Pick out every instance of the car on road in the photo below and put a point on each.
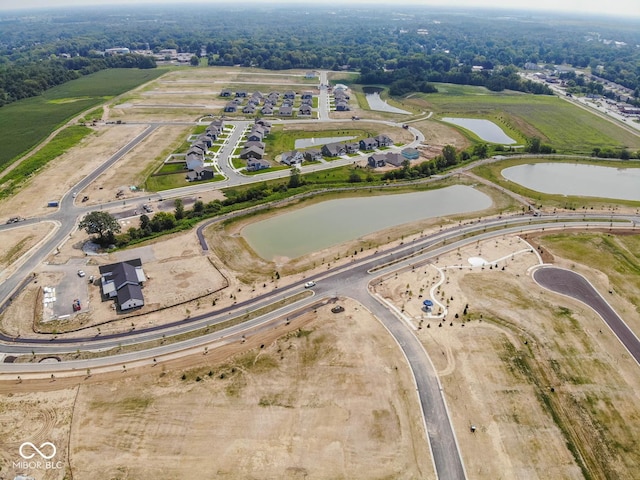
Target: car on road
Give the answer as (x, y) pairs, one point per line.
(309, 284)
(147, 208)
(81, 273)
(15, 220)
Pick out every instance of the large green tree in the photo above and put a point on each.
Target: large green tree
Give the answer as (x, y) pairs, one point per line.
(103, 224)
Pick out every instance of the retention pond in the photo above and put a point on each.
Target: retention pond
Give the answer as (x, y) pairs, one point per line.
(332, 222)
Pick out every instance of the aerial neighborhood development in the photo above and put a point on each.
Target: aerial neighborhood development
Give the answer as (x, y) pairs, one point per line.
(289, 242)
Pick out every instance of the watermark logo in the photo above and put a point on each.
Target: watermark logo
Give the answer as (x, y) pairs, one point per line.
(35, 450)
(37, 457)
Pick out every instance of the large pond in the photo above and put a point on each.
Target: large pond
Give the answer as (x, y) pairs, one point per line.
(318, 142)
(577, 179)
(328, 223)
(376, 103)
(485, 129)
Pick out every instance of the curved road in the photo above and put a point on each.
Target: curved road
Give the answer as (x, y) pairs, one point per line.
(574, 285)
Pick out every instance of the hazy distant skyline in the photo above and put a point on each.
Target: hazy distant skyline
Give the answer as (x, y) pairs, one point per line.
(625, 8)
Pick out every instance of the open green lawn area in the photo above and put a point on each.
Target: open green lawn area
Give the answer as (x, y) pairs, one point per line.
(279, 141)
(564, 126)
(166, 182)
(25, 123)
(492, 172)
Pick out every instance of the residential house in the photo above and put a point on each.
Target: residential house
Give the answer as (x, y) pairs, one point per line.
(198, 149)
(123, 281)
(313, 154)
(231, 107)
(342, 106)
(376, 160)
(410, 153)
(225, 92)
(307, 101)
(395, 159)
(254, 164)
(241, 94)
(289, 94)
(200, 144)
(285, 111)
(205, 140)
(257, 136)
(307, 95)
(200, 173)
(341, 95)
(267, 110)
(249, 109)
(310, 75)
(194, 161)
(260, 145)
(266, 125)
(304, 110)
(383, 141)
(251, 152)
(292, 158)
(352, 147)
(368, 144)
(333, 149)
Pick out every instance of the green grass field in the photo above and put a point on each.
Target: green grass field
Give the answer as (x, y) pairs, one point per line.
(24, 124)
(566, 127)
(62, 142)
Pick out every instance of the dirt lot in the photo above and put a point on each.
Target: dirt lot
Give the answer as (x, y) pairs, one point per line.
(308, 405)
(17, 241)
(500, 360)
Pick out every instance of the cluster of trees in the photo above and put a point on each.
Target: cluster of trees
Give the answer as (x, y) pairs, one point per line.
(406, 50)
(622, 154)
(417, 76)
(24, 80)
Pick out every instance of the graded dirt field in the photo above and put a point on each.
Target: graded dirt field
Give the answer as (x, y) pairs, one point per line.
(307, 405)
(551, 392)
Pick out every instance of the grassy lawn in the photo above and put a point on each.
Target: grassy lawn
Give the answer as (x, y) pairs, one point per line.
(493, 171)
(238, 162)
(267, 170)
(566, 127)
(279, 141)
(167, 182)
(25, 123)
(172, 168)
(62, 142)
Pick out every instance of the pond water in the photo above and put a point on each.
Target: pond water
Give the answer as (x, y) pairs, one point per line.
(485, 129)
(577, 179)
(328, 223)
(376, 103)
(319, 142)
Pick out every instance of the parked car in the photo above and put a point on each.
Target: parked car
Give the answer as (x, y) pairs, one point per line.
(81, 273)
(337, 309)
(15, 220)
(85, 198)
(309, 284)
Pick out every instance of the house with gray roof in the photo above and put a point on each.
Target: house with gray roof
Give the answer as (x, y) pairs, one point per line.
(352, 147)
(333, 149)
(267, 110)
(251, 152)
(368, 144)
(123, 281)
(249, 109)
(200, 173)
(342, 106)
(377, 160)
(292, 158)
(254, 164)
(313, 154)
(226, 92)
(285, 111)
(254, 144)
(383, 141)
(231, 107)
(194, 161)
(304, 110)
(289, 94)
(395, 159)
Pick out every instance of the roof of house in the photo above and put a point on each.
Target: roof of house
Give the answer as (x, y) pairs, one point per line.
(124, 278)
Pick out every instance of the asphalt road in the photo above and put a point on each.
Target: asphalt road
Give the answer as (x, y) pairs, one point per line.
(576, 286)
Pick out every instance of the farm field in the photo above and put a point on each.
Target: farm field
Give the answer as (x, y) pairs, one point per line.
(26, 123)
(564, 126)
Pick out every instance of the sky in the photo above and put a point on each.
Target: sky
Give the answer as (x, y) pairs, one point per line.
(625, 8)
